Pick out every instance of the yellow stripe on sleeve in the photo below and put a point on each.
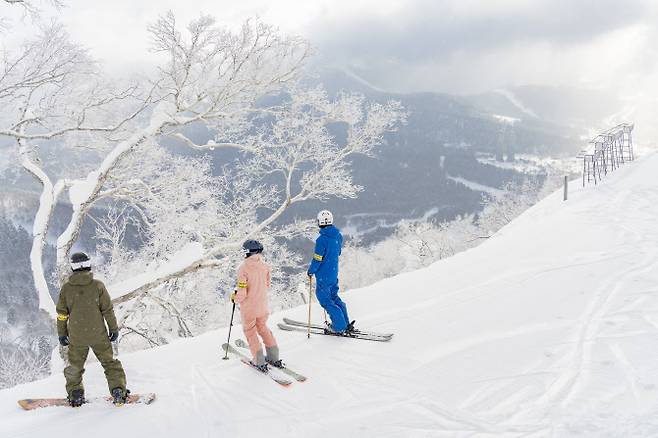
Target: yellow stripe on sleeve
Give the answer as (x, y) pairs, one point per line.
(317, 257)
(242, 284)
(62, 317)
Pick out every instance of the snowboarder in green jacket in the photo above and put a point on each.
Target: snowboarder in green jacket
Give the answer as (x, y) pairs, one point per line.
(83, 309)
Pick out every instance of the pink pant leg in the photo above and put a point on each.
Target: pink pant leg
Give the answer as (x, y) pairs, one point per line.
(265, 332)
(249, 326)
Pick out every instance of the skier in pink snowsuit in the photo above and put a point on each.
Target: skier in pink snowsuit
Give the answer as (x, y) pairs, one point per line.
(251, 295)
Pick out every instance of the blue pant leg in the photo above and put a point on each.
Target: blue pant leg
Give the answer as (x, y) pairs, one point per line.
(336, 299)
(323, 292)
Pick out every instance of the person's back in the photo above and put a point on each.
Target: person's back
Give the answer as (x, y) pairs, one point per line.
(251, 294)
(329, 244)
(88, 304)
(253, 284)
(83, 308)
(324, 266)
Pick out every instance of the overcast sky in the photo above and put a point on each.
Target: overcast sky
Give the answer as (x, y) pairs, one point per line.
(457, 46)
(453, 46)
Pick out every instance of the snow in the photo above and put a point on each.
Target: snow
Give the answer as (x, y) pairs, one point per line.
(476, 186)
(516, 102)
(39, 230)
(361, 80)
(548, 329)
(533, 164)
(179, 260)
(81, 190)
(507, 120)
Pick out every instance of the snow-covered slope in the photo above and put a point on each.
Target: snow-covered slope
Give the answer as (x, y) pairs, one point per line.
(548, 329)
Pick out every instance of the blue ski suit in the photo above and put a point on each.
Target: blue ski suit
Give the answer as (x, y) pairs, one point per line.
(325, 268)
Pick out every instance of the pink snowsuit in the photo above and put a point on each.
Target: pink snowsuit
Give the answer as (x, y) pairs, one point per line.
(253, 284)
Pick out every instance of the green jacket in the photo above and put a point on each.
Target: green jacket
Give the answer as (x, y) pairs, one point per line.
(82, 306)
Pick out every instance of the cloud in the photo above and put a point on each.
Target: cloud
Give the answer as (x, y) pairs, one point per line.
(426, 28)
(451, 45)
(454, 46)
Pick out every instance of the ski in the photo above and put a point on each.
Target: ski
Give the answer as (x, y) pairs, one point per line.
(318, 326)
(246, 360)
(36, 403)
(317, 331)
(298, 377)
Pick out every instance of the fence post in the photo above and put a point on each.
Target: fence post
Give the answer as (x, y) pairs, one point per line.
(566, 186)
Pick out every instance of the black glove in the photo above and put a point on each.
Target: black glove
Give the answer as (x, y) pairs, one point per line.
(64, 341)
(113, 336)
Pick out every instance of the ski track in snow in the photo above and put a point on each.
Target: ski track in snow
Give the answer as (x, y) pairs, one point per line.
(548, 329)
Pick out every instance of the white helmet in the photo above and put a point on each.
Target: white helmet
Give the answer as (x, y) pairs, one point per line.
(325, 218)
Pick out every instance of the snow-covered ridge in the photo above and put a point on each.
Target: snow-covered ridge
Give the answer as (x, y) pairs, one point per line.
(548, 329)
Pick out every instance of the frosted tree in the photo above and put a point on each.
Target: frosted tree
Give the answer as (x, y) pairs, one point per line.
(416, 244)
(32, 6)
(27, 8)
(22, 359)
(53, 96)
(194, 222)
(423, 243)
(290, 145)
(53, 90)
(501, 209)
(19, 365)
(210, 78)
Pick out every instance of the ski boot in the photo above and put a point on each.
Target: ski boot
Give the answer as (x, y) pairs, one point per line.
(76, 398)
(350, 327)
(119, 396)
(329, 330)
(276, 363)
(262, 368)
(261, 362)
(272, 357)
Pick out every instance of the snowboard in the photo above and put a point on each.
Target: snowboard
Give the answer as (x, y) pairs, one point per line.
(34, 403)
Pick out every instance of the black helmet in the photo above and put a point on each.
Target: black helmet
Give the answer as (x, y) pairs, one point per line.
(251, 247)
(80, 262)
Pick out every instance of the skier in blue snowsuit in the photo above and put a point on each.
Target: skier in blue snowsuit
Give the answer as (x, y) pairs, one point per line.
(325, 268)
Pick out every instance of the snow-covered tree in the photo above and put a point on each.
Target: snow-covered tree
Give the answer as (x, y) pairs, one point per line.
(416, 244)
(514, 199)
(27, 8)
(290, 146)
(23, 360)
(210, 78)
(53, 96)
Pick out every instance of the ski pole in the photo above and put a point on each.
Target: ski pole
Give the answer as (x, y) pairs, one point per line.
(310, 298)
(229, 332)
